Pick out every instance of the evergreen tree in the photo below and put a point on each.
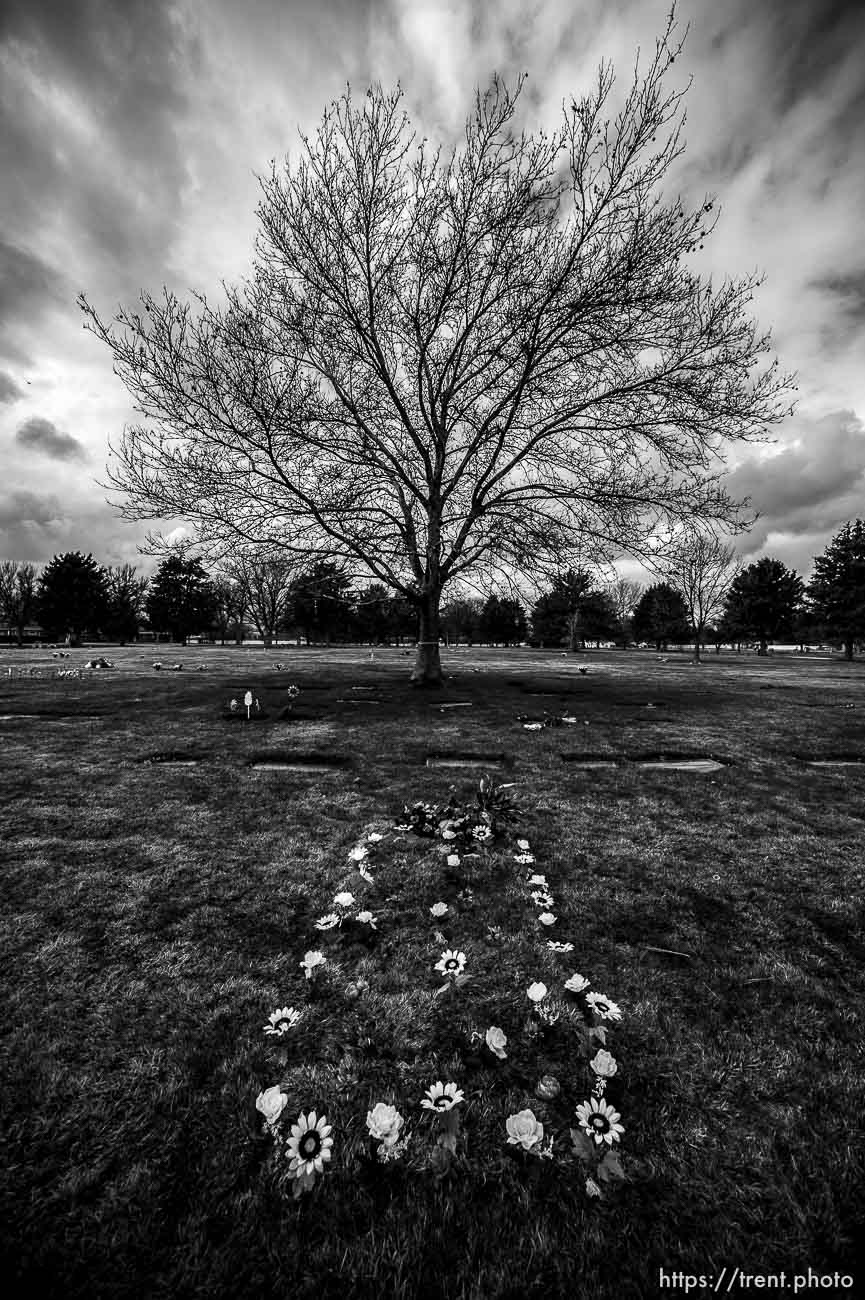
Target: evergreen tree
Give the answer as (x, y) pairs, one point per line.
(661, 616)
(320, 602)
(837, 589)
(598, 620)
(502, 621)
(181, 599)
(72, 597)
(461, 619)
(555, 616)
(763, 602)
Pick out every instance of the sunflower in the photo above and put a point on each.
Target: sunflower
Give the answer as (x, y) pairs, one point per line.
(600, 1121)
(603, 1007)
(451, 962)
(442, 1096)
(328, 921)
(308, 1145)
(282, 1020)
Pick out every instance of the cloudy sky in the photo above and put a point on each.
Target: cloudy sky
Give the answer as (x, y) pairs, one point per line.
(132, 131)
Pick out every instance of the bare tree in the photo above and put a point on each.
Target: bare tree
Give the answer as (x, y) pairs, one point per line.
(492, 356)
(17, 595)
(263, 584)
(701, 567)
(624, 595)
(231, 606)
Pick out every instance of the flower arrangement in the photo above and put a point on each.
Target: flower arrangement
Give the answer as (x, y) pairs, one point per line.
(247, 707)
(564, 1012)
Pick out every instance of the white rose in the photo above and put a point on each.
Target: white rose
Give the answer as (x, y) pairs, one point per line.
(271, 1103)
(344, 899)
(384, 1123)
(524, 1130)
(453, 859)
(495, 1040)
(439, 909)
(537, 992)
(547, 918)
(604, 1064)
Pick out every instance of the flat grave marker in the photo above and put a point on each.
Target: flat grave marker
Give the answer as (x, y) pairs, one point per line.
(315, 763)
(680, 763)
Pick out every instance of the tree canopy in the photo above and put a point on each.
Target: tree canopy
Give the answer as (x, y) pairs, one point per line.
(493, 356)
(72, 596)
(180, 599)
(837, 588)
(763, 602)
(661, 616)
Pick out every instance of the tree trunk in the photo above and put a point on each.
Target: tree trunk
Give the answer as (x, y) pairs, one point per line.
(267, 638)
(848, 649)
(427, 665)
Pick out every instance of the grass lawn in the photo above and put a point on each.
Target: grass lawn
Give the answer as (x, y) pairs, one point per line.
(154, 915)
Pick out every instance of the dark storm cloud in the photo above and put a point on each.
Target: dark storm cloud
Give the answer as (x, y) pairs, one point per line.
(93, 94)
(818, 482)
(28, 285)
(9, 390)
(28, 508)
(37, 434)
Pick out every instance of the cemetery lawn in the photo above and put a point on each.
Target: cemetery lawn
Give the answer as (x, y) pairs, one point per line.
(153, 916)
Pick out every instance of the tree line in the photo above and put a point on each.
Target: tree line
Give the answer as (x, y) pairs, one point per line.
(705, 595)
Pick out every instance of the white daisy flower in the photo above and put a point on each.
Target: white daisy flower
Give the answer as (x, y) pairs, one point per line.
(442, 1096)
(281, 1020)
(374, 837)
(554, 946)
(576, 983)
(538, 880)
(603, 1007)
(439, 909)
(541, 898)
(600, 1121)
(365, 874)
(327, 922)
(451, 962)
(536, 992)
(592, 1187)
(309, 1145)
(358, 853)
(524, 859)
